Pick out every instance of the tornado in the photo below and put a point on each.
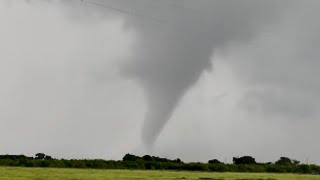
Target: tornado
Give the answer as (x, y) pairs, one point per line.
(171, 54)
(175, 43)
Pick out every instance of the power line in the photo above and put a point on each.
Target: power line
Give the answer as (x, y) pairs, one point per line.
(177, 6)
(199, 15)
(122, 11)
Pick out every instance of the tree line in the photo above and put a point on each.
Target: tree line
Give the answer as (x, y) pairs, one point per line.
(148, 162)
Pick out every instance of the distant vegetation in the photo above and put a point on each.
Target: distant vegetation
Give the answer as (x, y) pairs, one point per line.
(240, 164)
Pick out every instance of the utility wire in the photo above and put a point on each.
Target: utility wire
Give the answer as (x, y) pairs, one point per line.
(176, 6)
(123, 11)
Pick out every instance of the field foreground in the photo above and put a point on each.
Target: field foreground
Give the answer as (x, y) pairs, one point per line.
(85, 174)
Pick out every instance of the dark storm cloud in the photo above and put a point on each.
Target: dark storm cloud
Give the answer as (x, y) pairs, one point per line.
(170, 56)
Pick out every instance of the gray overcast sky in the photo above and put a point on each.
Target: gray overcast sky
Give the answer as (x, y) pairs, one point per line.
(185, 78)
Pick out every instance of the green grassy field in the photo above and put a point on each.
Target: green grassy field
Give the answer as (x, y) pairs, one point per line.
(88, 174)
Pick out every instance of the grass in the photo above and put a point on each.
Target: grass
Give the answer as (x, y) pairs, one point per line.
(8, 173)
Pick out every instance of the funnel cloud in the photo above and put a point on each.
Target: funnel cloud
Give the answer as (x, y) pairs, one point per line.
(171, 55)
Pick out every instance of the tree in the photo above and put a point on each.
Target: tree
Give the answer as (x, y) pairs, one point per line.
(295, 162)
(130, 157)
(244, 160)
(214, 161)
(178, 160)
(284, 161)
(40, 156)
(48, 157)
(147, 158)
